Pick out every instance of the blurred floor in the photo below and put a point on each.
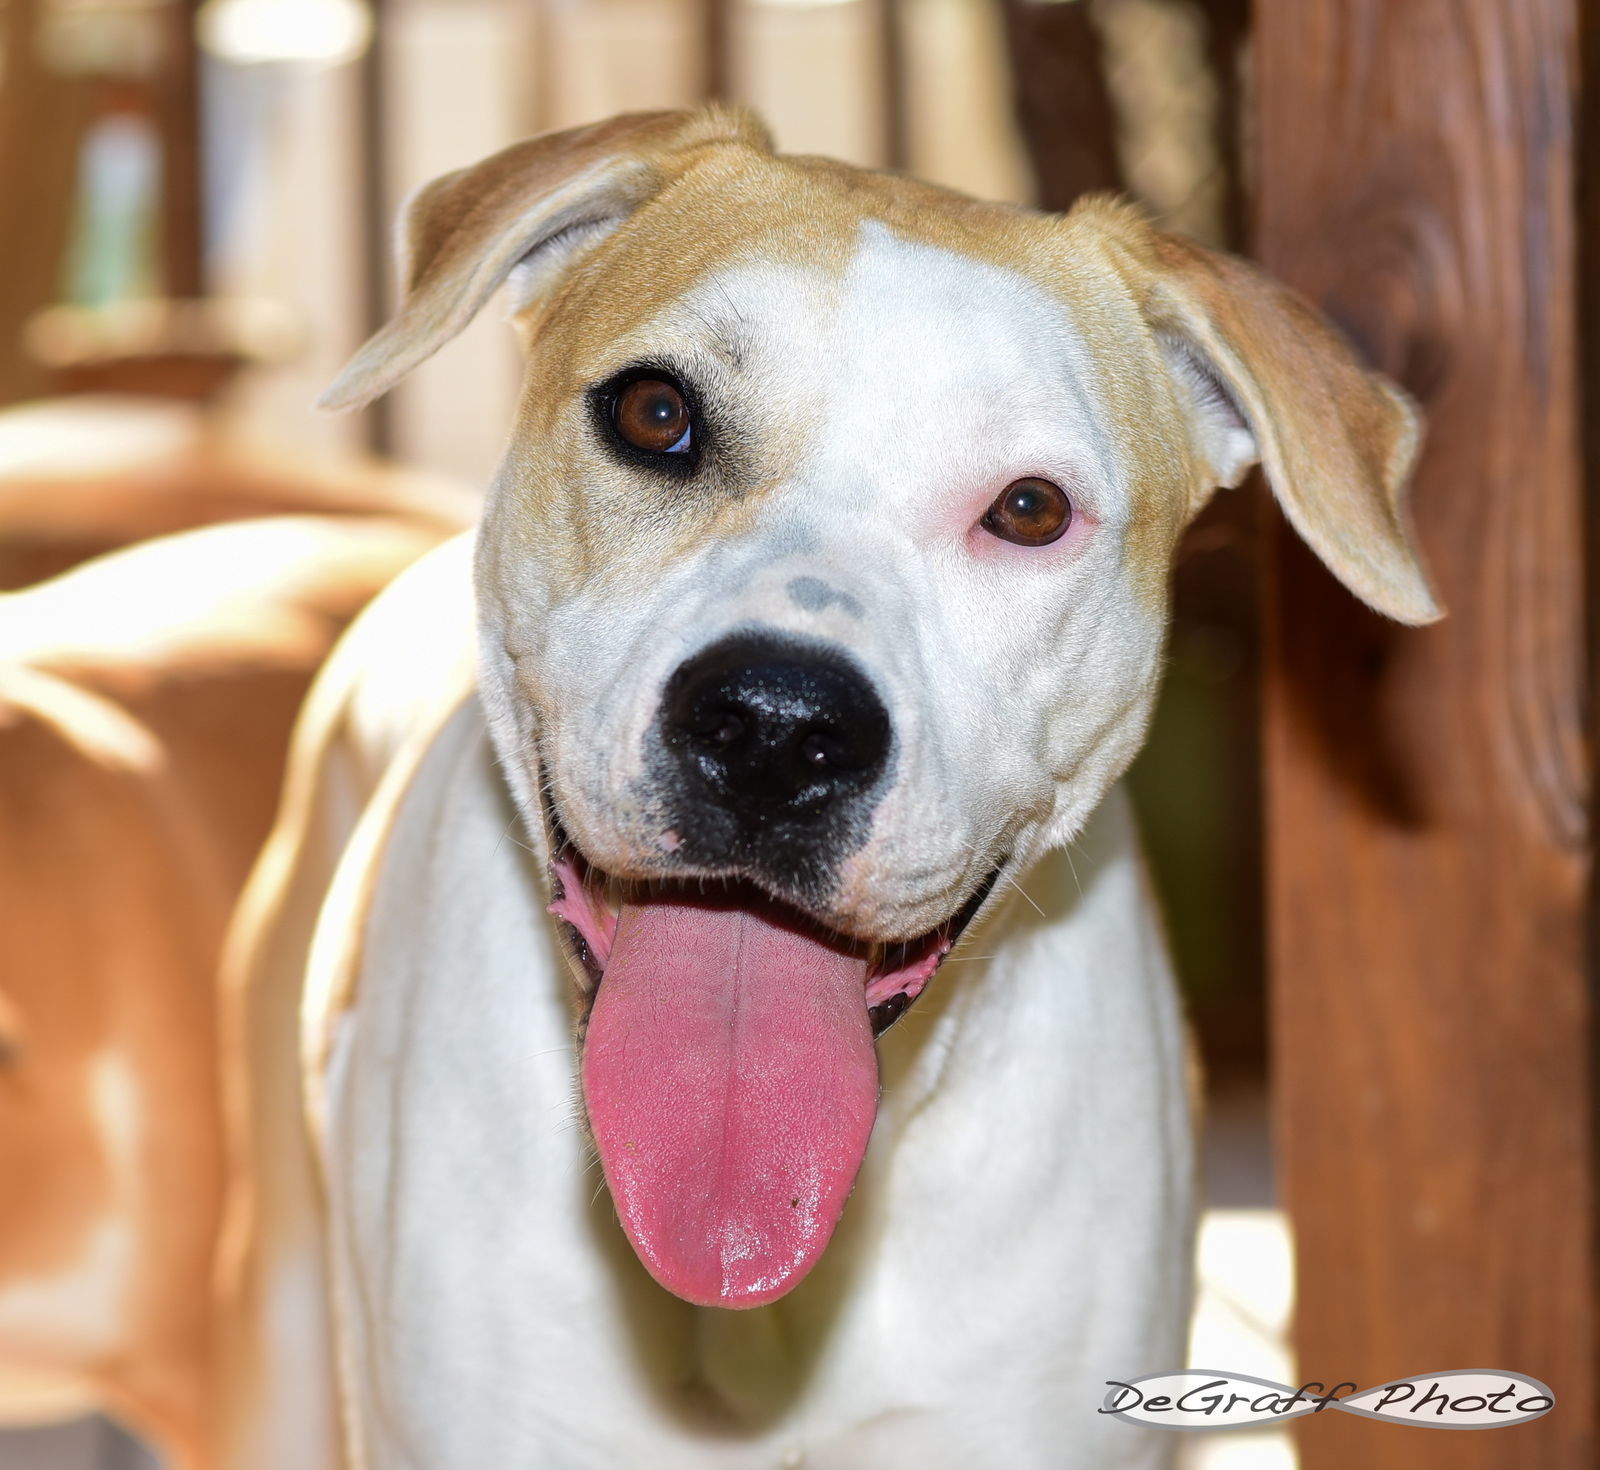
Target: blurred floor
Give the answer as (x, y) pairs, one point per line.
(1245, 1276)
(1241, 1317)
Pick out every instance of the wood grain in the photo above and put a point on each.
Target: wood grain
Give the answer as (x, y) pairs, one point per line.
(1428, 792)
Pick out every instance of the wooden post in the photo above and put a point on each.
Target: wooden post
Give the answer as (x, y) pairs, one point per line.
(377, 212)
(178, 112)
(717, 82)
(1428, 791)
(892, 81)
(42, 120)
(1063, 108)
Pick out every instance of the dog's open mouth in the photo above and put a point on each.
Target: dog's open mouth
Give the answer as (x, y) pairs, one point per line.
(729, 1068)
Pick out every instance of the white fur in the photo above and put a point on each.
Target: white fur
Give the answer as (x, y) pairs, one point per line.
(1019, 1232)
(1018, 1235)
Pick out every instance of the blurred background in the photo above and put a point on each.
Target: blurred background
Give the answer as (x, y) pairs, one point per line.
(198, 202)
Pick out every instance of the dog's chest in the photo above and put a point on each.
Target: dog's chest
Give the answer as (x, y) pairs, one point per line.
(491, 1305)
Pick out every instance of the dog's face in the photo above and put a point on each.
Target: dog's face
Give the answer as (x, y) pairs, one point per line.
(829, 561)
(877, 463)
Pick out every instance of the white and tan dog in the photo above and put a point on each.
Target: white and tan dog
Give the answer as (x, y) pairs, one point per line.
(820, 603)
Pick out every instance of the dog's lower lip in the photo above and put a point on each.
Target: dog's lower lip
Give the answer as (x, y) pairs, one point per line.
(933, 945)
(560, 845)
(885, 1014)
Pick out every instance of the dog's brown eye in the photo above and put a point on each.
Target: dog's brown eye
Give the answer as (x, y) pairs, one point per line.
(1030, 513)
(651, 415)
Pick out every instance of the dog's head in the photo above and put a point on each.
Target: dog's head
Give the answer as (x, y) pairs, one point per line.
(825, 582)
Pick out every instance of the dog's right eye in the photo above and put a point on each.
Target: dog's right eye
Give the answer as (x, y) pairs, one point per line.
(1030, 512)
(651, 414)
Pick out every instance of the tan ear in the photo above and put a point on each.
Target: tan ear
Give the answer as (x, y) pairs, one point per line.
(1270, 381)
(534, 208)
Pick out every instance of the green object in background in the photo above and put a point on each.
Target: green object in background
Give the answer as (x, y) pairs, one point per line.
(1193, 787)
(112, 256)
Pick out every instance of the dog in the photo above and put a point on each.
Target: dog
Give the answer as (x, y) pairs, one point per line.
(146, 700)
(819, 605)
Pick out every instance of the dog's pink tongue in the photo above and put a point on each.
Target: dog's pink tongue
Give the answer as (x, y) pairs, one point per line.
(731, 1082)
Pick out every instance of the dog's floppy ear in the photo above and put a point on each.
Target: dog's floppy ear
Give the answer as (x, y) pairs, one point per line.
(1270, 381)
(533, 208)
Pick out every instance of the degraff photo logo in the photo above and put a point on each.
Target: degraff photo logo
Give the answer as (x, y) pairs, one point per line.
(1198, 1398)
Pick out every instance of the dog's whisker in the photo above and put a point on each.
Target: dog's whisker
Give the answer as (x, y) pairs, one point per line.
(1015, 884)
(1072, 868)
(506, 833)
(517, 841)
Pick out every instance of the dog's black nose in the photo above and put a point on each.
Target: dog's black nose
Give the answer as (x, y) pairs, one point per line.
(777, 727)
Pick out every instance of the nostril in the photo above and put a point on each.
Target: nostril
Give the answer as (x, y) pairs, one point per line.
(828, 751)
(718, 729)
(818, 750)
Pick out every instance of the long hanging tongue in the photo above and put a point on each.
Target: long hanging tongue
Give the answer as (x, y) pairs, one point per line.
(731, 1083)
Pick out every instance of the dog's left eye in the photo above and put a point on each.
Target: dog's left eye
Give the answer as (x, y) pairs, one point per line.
(1030, 512)
(651, 414)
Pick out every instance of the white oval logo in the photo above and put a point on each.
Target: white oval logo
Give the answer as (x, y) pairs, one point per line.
(1198, 1398)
